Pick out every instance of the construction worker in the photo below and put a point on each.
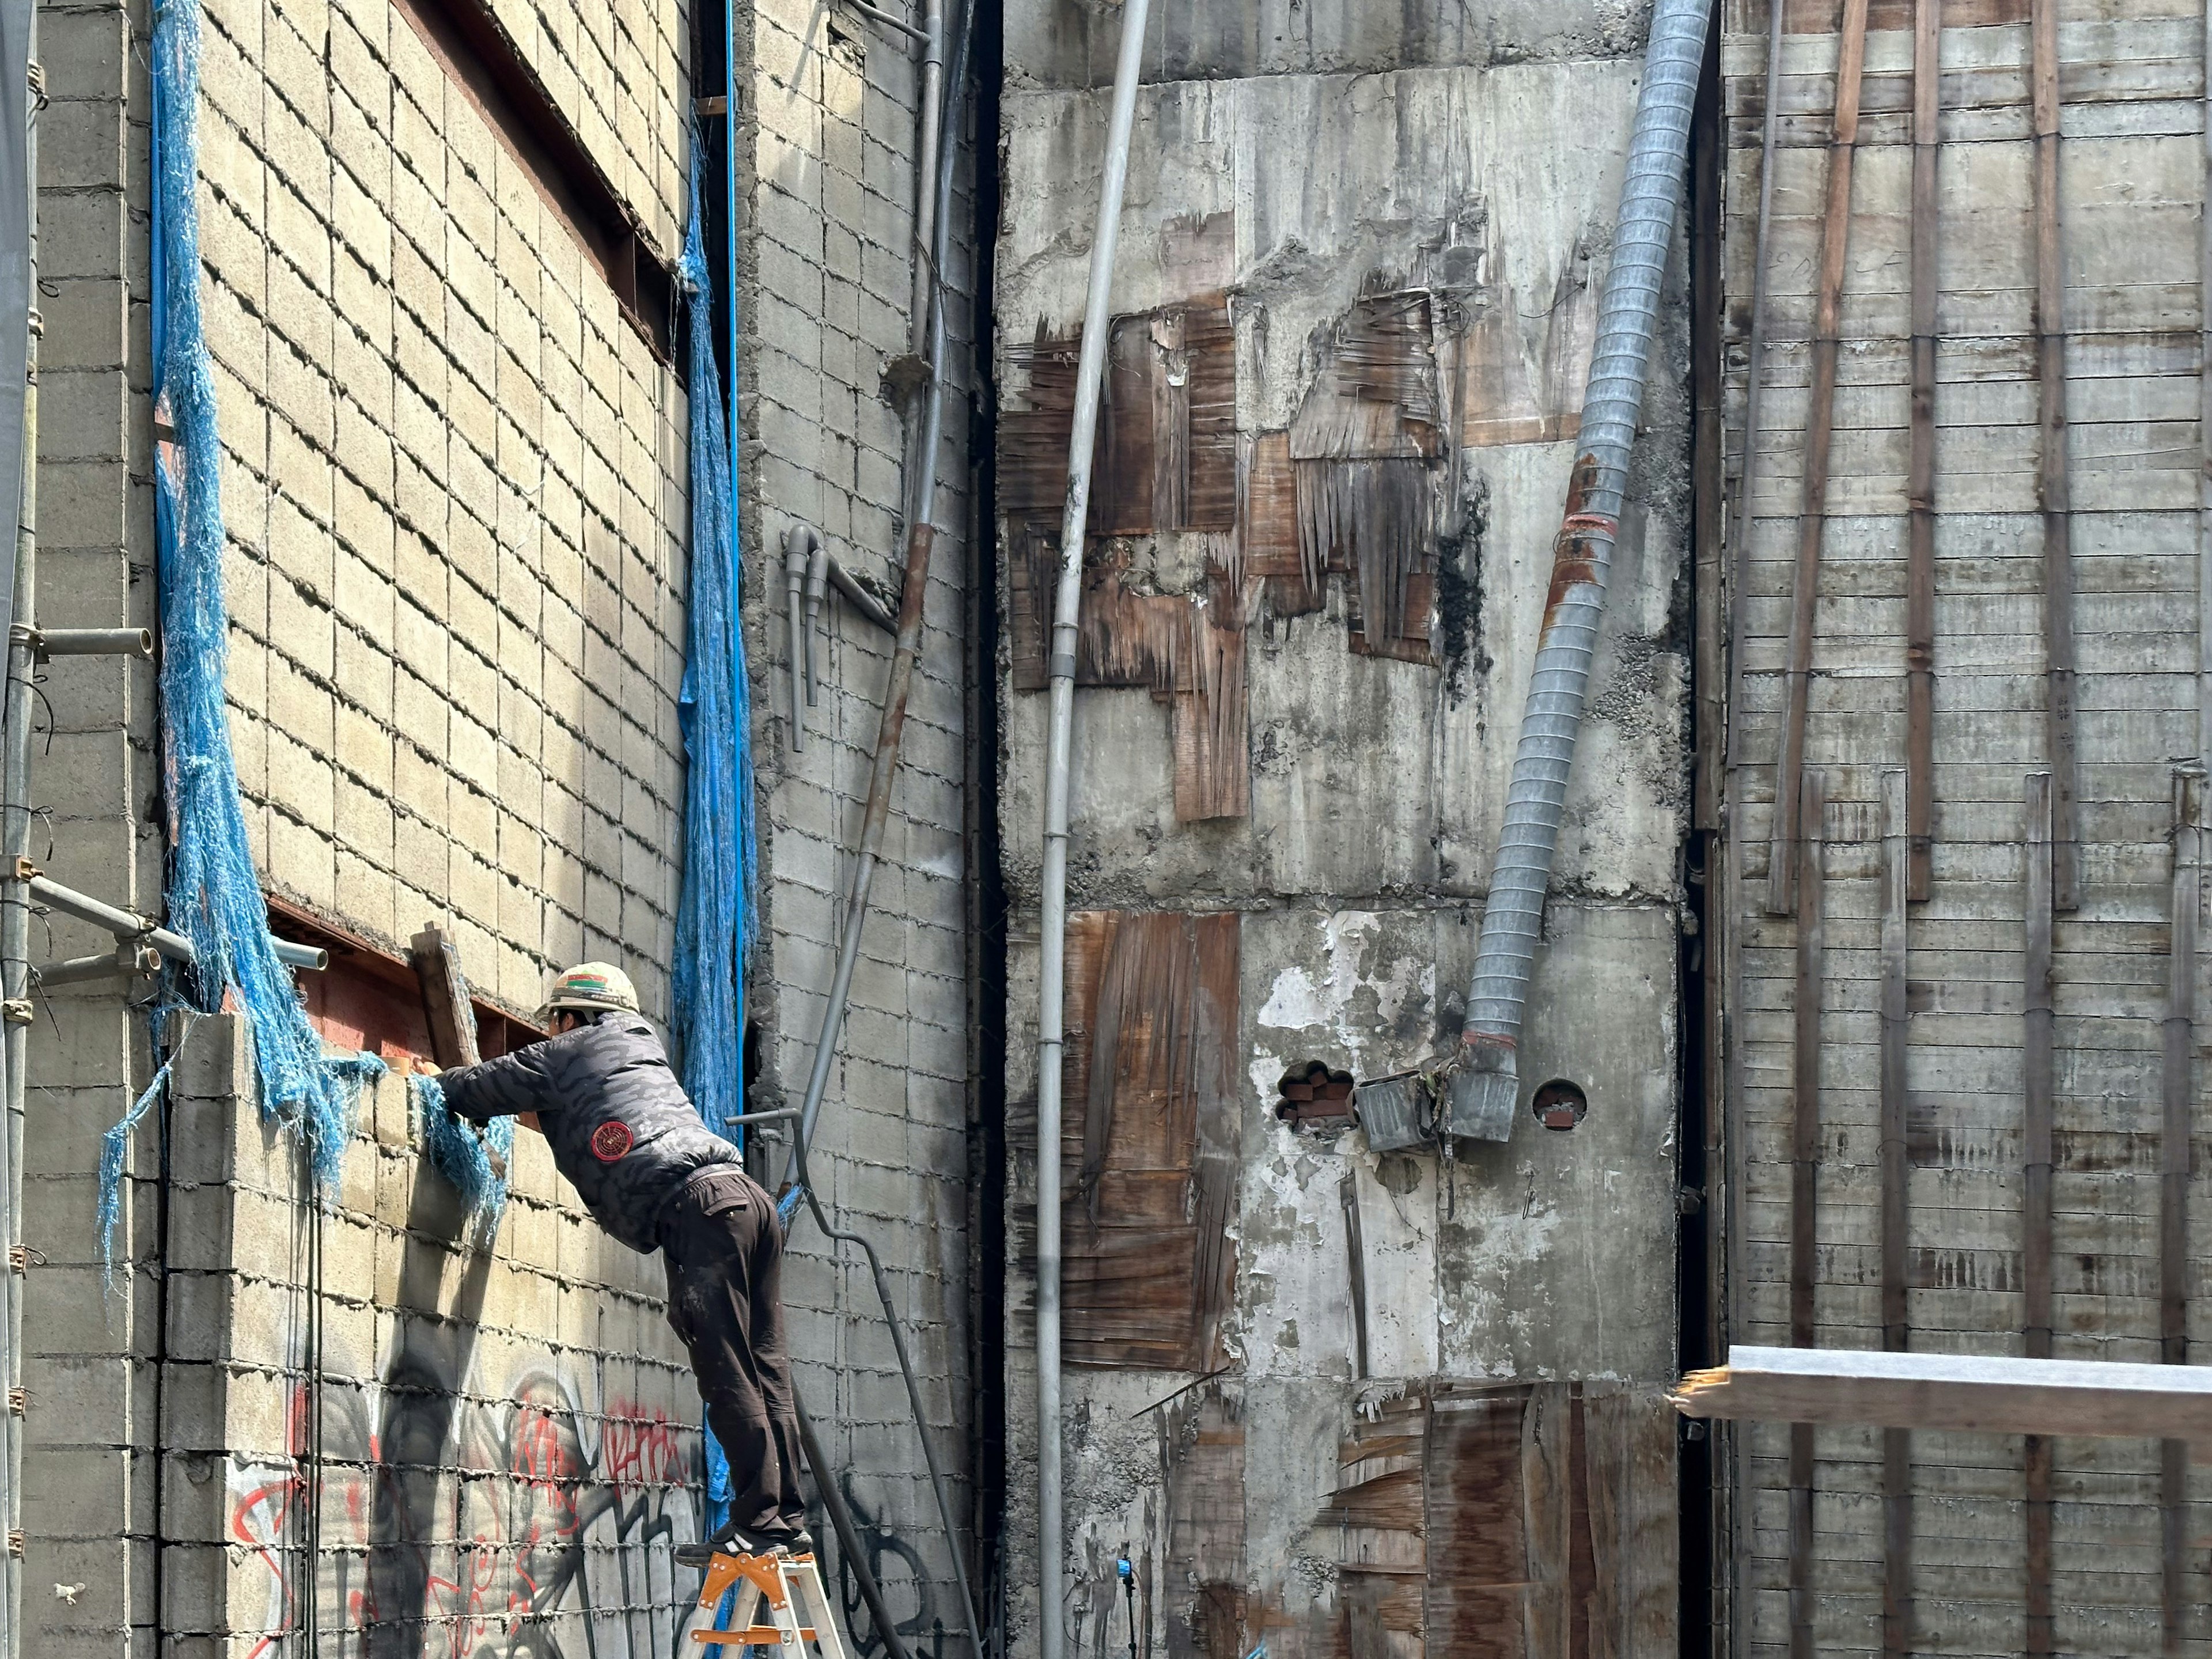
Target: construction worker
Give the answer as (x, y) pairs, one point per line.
(601, 1091)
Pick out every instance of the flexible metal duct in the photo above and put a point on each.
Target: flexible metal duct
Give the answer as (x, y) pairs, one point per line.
(1485, 1088)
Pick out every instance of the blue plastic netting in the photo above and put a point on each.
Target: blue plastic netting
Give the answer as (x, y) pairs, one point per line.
(714, 923)
(465, 1157)
(215, 895)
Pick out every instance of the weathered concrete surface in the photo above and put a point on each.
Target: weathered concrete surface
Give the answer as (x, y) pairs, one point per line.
(1479, 163)
(1072, 43)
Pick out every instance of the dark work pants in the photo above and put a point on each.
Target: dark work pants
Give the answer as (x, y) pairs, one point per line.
(724, 1251)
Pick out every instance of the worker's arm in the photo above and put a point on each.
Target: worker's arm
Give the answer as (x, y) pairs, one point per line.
(519, 1085)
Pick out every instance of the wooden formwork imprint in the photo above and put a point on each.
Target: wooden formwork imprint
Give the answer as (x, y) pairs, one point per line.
(1820, 422)
(2035, 1222)
(1804, 1191)
(2054, 479)
(1920, 483)
(1897, 1621)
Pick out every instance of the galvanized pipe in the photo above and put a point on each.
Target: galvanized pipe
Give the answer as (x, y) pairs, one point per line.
(1485, 1088)
(129, 925)
(139, 959)
(794, 590)
(870, 609)
(929, 122)
(93, 641)
(1052, 916)
(15, 946)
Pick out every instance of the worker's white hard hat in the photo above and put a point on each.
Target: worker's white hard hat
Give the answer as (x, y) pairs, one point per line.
(595, 987)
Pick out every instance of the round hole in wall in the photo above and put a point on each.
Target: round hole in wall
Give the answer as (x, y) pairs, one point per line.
(1315, 1096)
(1560, 1104)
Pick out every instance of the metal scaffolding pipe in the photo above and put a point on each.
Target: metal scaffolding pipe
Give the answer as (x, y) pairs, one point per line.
(128, 958)
(1485, 1087)
(93, 642)
(794, 592)
(1053, 908)
(129, 925)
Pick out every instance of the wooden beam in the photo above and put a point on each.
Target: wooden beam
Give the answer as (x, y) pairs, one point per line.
(2056, 485)
(1819, 421)
(1982, 1393)
(1920, 481)
(1804, 1184)
(1897, 1621)
(445, 997)
(2036, 1206)
(2175, 1168)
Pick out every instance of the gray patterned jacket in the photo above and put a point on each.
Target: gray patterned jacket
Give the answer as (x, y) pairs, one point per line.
(621, 1129)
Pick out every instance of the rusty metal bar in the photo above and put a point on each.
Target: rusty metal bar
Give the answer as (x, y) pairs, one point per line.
(1804, 1177)
(1820, 422)
(1920, 483)
(2036, 1217)
(1897, 1612)
(2055, 486)
(2174, 1171)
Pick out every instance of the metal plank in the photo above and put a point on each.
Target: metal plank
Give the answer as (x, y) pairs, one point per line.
(1835, 247)
(1979, 1393)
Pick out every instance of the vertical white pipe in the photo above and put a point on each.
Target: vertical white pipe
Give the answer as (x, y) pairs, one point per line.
(1053, 906)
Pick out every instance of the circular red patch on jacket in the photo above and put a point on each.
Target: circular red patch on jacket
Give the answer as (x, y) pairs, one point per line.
(610, 1142)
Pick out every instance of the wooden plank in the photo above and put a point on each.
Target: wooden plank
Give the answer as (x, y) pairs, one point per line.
(1897, 1621)
(1920, 485)
(2036, 1221)
(2175, 1167)
(1547, 1507)
(1804, 1193)
(1980, 1393)
(2054, 474)
(445, 1005)
(1835, 247)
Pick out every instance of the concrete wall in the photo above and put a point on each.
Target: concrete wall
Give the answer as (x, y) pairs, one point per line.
(2130, 229)
(1284, 168)
(828, 136)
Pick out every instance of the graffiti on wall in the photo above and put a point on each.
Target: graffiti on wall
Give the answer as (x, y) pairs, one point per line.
(529, 1523)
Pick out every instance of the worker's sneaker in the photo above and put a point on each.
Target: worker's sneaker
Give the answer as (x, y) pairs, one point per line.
(730, 1539)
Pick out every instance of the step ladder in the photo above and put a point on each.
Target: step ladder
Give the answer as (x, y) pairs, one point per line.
(768, 1583)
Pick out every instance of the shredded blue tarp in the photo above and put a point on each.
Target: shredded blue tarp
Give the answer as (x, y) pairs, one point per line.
(715, 921)
(465, 1157)
(214, 894)
(114, 1145)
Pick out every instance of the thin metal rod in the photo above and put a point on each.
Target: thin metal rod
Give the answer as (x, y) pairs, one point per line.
(15, 955)
(1897, 1620)
(2175, 1167)
(1804, 1189)
(1052, 918)
(2038, 901)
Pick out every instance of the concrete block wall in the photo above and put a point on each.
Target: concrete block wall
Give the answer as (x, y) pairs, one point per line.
(373, 1429)
(828, 132)
(456, 506)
